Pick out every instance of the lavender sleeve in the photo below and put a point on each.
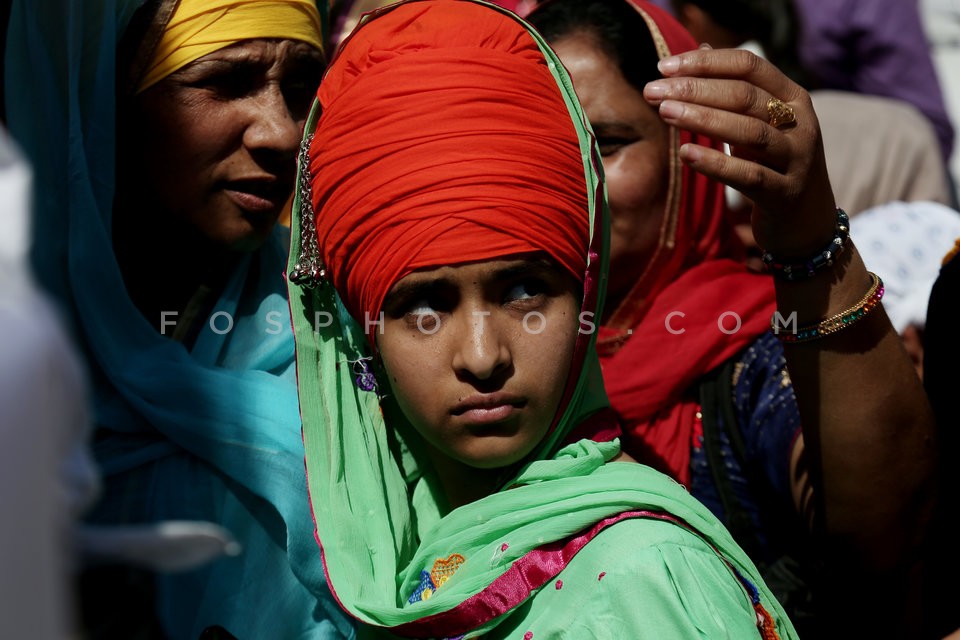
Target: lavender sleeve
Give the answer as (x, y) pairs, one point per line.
(875, 47)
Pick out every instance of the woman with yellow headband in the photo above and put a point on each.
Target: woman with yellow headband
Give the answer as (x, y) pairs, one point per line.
(163, 135)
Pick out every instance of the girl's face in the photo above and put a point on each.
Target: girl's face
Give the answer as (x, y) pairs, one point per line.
(478, 355)
(634, 145)
(216, 141)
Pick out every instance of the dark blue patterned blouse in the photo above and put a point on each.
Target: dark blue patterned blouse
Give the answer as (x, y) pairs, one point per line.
(769, 421)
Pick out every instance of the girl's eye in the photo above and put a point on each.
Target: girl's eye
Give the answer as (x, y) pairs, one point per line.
(526, 290)
(422, 315)
(417, 303)
(420, 308)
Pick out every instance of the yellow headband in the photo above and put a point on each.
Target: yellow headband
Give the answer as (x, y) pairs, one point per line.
(199, 27)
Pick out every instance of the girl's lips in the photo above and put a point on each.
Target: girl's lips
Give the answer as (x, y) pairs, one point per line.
(489, 408)
(488, 415)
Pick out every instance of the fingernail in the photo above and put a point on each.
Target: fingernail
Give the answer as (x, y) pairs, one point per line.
(669, 65)
(655, 90)
(671, 110)
(705, 45)
(690, 153)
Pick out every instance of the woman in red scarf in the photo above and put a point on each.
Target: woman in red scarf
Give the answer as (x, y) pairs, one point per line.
(689, 362)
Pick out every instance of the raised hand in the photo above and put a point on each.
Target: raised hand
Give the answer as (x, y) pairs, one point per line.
(776, 147)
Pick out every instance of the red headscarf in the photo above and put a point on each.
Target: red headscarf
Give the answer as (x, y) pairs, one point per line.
(697, 270)
(458, 158)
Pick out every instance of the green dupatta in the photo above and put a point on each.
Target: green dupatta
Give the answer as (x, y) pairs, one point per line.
(376, 508)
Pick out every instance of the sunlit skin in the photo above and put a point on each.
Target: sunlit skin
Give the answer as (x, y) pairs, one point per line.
(206, 160)
(634, 144)
(473, 367)
(217, 140)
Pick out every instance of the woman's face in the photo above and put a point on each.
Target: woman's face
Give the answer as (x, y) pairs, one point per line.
(215, 142)
(478, 355)
(634, 143)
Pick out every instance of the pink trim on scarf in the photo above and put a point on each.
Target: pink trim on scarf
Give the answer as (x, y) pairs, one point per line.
(525, 575)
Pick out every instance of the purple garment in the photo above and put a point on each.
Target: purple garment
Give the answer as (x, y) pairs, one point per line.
(874, 47)
(663, 4)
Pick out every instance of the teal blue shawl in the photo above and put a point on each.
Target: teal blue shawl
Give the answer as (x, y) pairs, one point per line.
(210, 434)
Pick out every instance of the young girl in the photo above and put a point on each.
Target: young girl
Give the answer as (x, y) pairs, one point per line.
(465, 477)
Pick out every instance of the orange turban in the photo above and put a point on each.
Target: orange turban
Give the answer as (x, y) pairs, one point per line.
(444, 139)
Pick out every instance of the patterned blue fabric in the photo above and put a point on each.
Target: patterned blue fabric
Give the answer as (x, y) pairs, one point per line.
(212, 433)
(769, 422)
(904, 243)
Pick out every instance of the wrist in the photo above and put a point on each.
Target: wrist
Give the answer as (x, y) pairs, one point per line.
(792, 268)
(790, 330)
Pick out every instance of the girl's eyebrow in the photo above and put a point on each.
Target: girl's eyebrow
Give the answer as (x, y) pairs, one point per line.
(427, 285)
(527, 268)
(418, 288)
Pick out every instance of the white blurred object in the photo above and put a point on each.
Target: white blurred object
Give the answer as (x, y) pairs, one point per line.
(166, 546)
(48, 477)
(15, 183)
(941, 21)
(904, 243)
(46, 474)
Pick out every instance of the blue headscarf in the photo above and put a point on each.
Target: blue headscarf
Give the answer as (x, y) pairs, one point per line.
(210, 433)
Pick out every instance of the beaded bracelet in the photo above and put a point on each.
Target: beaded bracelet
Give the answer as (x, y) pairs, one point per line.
(833, 324)
(823, 259)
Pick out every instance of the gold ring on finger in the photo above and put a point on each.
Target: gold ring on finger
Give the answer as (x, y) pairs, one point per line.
(781, 114)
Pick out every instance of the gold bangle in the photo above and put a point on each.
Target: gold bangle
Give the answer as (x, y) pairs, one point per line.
(834, 323)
